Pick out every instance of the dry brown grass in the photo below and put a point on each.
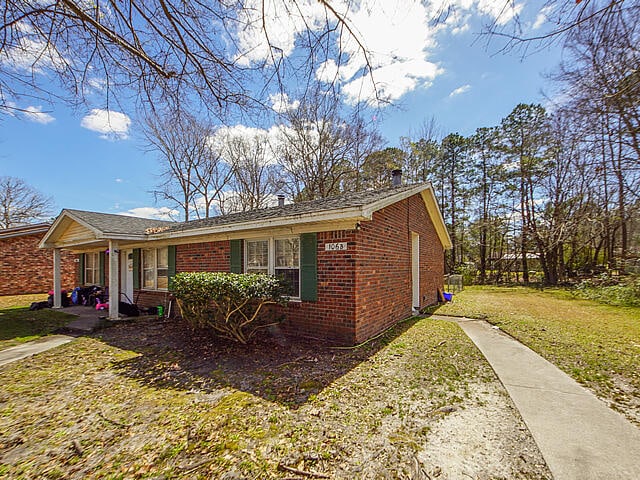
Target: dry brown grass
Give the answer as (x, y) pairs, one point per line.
(16, 301)
(151, 400)
(597, 344)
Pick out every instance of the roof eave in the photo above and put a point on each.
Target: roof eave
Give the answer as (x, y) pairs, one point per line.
(352, 213)
(431, 204)
(99, 235)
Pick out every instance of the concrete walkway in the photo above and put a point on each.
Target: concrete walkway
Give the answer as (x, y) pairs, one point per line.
(25, 350)
(578, 435)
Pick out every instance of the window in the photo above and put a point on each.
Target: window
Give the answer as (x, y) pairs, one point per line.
(155, 268)
(257, 256)
(92, 268)
(287, 263)
(280, 257)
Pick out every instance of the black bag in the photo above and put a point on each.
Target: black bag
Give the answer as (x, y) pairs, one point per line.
(39, 305)
(128, 309)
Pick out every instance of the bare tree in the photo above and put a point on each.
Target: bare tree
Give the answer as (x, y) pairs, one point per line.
(601, 81)
(254, 177)
(160, 49)
(20, 203)
(423, 149)
(560, 20)
(320, 149)
(193, 174)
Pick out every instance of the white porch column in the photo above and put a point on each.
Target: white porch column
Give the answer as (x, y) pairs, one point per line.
(114, 279)
(57, 282)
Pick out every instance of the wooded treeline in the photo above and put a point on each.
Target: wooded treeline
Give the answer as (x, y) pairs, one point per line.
(552, 191)
(555, 190)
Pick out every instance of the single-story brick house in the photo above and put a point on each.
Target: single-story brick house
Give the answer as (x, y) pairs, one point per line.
(358, 263)
(25, 268)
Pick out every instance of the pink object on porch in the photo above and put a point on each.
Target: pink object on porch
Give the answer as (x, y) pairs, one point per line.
(102, 306)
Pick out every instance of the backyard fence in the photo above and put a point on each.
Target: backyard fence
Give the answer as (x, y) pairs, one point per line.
(453, 283)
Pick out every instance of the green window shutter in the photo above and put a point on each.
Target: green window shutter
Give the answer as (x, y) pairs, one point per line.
(136, 268)
(309, 267)
(171, 253)
(81, 269)
(101, 274)
(236, 256)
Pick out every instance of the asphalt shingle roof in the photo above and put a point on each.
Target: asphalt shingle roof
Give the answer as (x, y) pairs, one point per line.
(118, 224)
(349, 200)
(109, 223)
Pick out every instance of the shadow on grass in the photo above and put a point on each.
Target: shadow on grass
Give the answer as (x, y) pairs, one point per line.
(278, 368)
(16, 323)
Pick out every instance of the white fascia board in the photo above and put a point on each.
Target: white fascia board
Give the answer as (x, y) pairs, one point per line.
(121, 236)
(44, 243)
(430, 201)
(64, 215)
(353, 213)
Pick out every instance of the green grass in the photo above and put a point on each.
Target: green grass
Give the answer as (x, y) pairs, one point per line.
(19, 325)
(598, 345)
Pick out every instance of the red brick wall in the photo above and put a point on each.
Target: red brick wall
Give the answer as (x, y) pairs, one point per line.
(332, 317)
(150, 298)
(384, 288)
(24, 268)
(203, 257)
(361, 291)
(195, 257)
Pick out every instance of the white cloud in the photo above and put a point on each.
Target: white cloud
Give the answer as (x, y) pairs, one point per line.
(502, 11)
(29, 53)
(460, 90)
(542, 17)
(281, 104)
(112, 125)
(97, 84)
(400, 37)
(119, 180)
(35, 114)
(161, 213)
(224, 138)
(284, 22)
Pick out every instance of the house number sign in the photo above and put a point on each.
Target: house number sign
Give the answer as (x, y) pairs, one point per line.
(334, 247)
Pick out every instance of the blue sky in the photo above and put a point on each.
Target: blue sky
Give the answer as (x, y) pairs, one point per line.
(447, 73)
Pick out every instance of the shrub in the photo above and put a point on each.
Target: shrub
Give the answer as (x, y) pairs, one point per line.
(625, 293)
(234, 305)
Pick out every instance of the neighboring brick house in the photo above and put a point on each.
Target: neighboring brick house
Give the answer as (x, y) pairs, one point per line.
(25, 268)
(358, 263)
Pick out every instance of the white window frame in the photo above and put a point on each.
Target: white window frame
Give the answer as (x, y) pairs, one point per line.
(94, 269)
(155, 268)
(271, 257)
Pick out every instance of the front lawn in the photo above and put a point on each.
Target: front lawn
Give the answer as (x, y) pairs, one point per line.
(19, 324)
(13, 301)
(150, 399)
(598, 345)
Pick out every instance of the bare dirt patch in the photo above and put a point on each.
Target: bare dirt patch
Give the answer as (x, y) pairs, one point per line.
(154, 400)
